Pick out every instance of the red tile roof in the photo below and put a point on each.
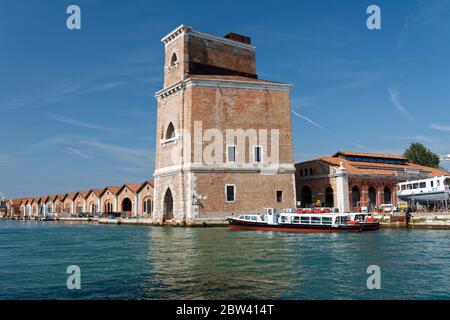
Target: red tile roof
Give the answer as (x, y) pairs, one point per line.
(132, 186)
(369, 168)
(97, 192)
(365, 154)
(17, 202)
(51, 198)
(113, 189)
(148, 182)
(69, 195)
(83, 194)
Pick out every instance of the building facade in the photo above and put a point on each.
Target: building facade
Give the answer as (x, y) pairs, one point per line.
(351, 180)
(224, 138)
(132, 200)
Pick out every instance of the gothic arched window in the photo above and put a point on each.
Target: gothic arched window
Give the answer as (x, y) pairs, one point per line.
(170, 132)
(173, 60)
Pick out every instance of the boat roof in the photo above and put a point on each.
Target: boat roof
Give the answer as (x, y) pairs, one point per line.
(424, 180)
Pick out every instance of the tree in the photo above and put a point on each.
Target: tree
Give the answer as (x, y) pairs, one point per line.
(417, 153)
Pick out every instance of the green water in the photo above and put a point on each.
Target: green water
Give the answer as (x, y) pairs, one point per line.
(129, 262)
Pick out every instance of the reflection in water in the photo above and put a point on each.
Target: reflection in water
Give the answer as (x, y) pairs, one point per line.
(128, 262)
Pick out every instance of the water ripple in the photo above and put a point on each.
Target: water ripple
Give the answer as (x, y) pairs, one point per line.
(129, 262)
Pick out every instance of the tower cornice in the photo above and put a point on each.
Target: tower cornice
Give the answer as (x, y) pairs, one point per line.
(222, 83)
(187, 30)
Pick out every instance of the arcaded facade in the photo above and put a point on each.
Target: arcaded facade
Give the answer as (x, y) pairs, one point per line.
(224, 139)
(129, 200)
(367, 180)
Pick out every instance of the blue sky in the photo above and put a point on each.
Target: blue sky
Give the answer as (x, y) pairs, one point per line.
(77, 107)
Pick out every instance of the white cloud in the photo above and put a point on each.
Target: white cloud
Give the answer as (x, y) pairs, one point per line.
(411, 138)
(78, 152)
(440, 127)
(426, 14)
(79, 123)
(309, 120)
(134, 156)
(395, 100)
(91, 148)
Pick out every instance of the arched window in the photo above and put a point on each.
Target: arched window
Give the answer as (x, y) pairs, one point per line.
(387, 195)
(372, 196)
(126, 205)
(170, 132)
(108, 207)
(306, 197)
(356, 196)
(168, 206)
(149, 206)
(329, 197)
(173, 60)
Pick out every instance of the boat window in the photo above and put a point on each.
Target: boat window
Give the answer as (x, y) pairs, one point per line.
(304, 220)
(254, 218)
(296, 220)
(432, 184)
(409, 186)
(315, 220)
(327, 221)
(423, 185)
(284, 219)
(341, 220)
(404, 187)
(415, 186)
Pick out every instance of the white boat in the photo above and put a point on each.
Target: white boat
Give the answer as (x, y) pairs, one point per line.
(292, 221)
(425, 190)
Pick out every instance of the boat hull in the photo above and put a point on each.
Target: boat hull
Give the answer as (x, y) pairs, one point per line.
(371, 226)
(243, 225)
(426, 197)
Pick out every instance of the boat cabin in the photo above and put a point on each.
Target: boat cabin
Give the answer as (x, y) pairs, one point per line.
(290, 216)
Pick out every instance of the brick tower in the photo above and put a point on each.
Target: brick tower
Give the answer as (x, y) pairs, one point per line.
(224, 139)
